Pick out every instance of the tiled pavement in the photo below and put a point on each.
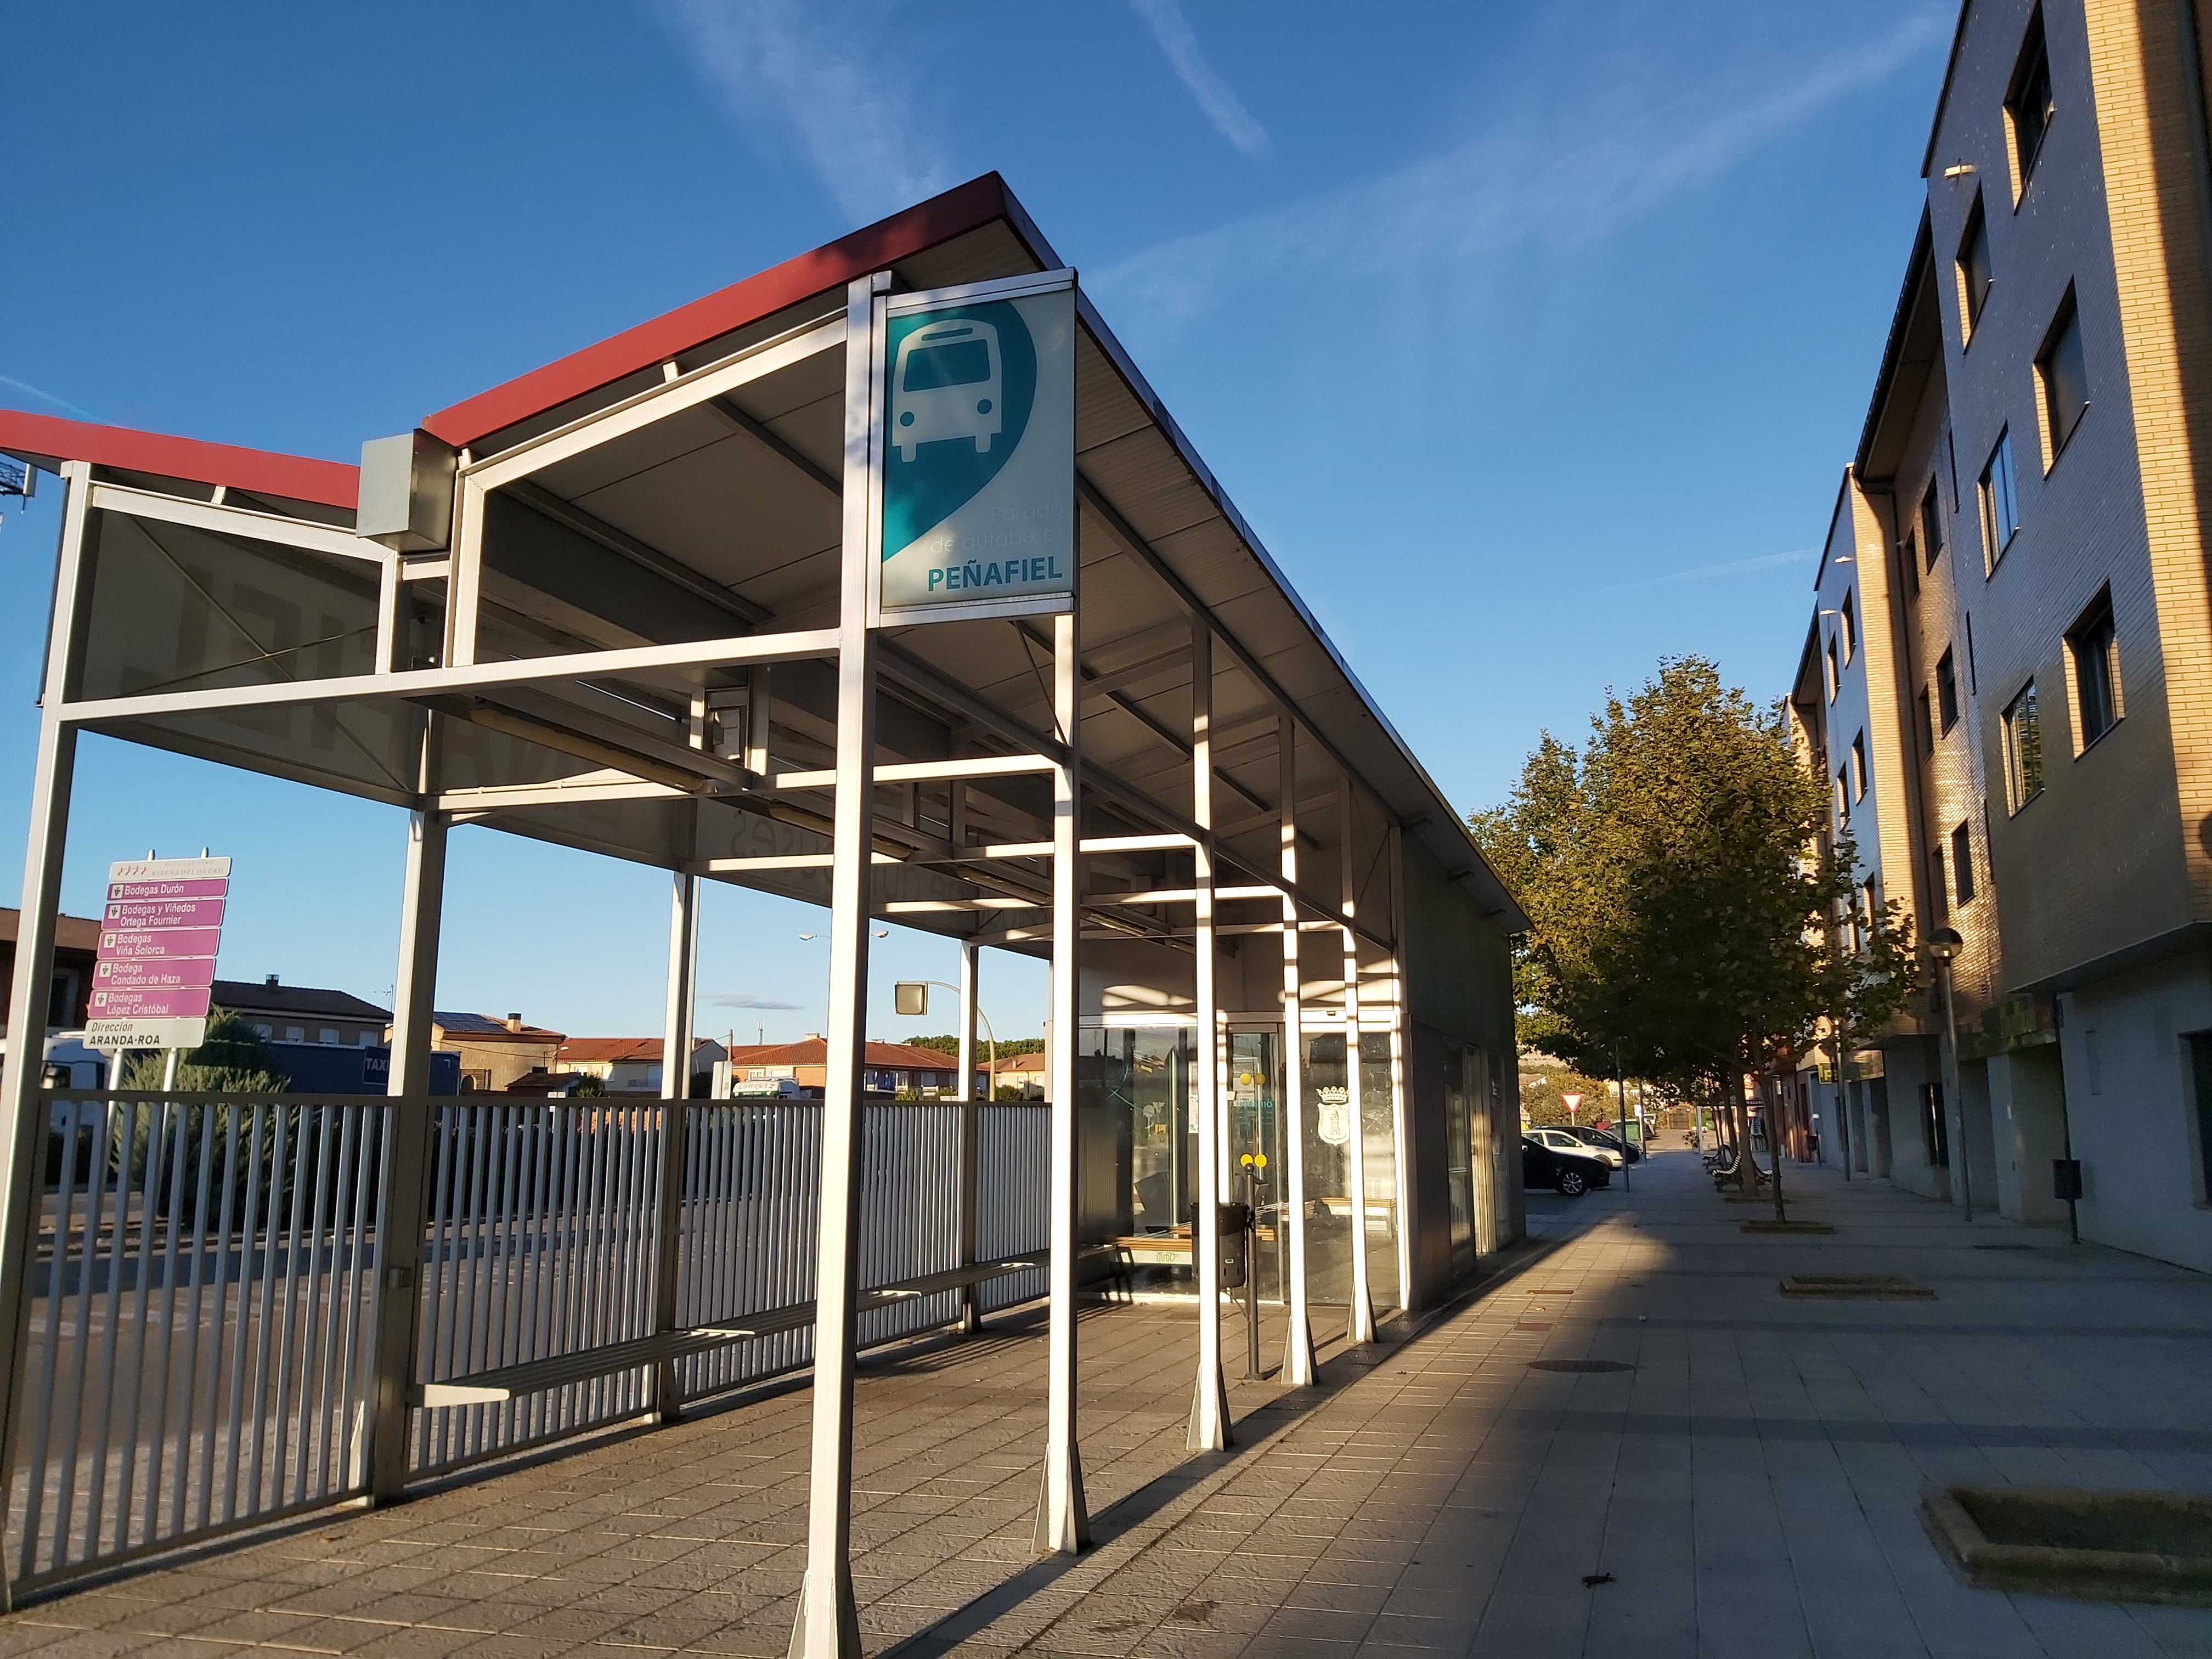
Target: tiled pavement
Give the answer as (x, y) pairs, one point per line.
(1751, 1484)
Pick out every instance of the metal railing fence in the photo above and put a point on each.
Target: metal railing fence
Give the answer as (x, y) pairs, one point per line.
(205, 1284)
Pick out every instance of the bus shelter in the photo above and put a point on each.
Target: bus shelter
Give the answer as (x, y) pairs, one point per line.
(640, 602)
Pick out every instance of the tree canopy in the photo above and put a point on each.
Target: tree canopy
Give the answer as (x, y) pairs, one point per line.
(1691, 915)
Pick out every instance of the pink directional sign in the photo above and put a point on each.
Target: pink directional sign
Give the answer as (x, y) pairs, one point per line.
(139, 974)
(163, 913)
(150, 1005)
(159, 933)
(168, 890)
(168, 946)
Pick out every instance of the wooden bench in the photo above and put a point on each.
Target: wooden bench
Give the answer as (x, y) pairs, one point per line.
(536, 1376)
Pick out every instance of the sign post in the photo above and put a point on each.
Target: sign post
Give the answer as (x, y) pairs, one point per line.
(154, 971)
(1574, 1105)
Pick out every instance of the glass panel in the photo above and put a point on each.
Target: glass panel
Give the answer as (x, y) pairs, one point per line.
(1256, 1147)
(1459, 1158)
(1377, 1120)
(1328, 1170)
(1133, 1090)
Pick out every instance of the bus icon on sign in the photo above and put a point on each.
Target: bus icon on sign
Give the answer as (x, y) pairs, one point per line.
(945, 384)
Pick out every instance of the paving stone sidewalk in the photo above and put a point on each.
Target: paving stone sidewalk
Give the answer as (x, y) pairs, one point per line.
(1751, 1484)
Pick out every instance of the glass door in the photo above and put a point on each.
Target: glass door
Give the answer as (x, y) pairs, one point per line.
(1254, 1143)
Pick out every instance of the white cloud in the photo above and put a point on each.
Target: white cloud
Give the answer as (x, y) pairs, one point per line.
(1570, 173)
(1705, 572)
(795, 73)
(1222, 107)
(748, 999)
(45, 397)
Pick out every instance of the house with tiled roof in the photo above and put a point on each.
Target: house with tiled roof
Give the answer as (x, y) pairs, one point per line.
(630, 1066)
(496, 1053)
(889, 1068)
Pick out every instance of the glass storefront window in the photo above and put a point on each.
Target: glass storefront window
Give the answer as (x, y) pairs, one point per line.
(1133, 1092)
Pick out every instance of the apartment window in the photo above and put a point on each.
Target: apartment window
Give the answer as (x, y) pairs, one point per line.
(1939, 887)
(1975, 275)
(2095, 649)
(1927, 724)
(295, 1034)
(328, 1033)
(1835, 677)
(1908, 567)
(1843, 797)
(2029, 105)
(2000, 503)
(2023, 749)
(1858, 767)
(2064, 380)
(1931, 526)
(1947, 690)
(1851, 619)
(1962, 864)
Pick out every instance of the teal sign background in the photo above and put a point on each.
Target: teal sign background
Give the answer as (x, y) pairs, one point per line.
(946, 474)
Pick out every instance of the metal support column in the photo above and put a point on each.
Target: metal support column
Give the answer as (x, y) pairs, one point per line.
(1359, 1322)
(407, 1138)
(1063, 1522)
(1399, 1023)
(1290, 1213)
(675, 1123)
(23, 1146)
(1210, 1428)
(971, 1306)
(829, 1625)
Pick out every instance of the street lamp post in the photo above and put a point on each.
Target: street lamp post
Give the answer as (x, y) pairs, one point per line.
(1944, 946)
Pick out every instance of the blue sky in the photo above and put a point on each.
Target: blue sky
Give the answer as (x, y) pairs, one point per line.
(1532, 339)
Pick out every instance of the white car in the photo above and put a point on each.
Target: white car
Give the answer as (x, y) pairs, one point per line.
(946, 383)
(1560, 1141)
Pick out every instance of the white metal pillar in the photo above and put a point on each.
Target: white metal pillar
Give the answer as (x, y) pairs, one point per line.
(1210, 1428)
(1400, 1031)
(1063, 1522)
(971, 1308)
(22, 1147)
(407, 1138)
(1359, 1322)
(1291, 1214)
(675, 1122)
(829, 1625)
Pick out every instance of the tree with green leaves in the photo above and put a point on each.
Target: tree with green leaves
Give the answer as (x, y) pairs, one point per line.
(231, 1058)
(1686, 904)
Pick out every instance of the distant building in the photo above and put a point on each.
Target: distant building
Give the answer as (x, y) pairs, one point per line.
(1023, 1072)
(496, 1053)
(889, 1068)
(76, 940)
(630, 1066)
(303, 1013)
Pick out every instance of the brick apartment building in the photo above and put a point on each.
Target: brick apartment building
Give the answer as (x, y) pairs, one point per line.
(2008, 676)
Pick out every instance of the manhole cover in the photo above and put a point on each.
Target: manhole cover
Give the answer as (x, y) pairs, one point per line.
(1579, 1367)
(1860, 1287)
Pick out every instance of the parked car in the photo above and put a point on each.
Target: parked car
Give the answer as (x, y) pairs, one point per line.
(1566, 1141)
(1606, 1141)
(1571, 1174)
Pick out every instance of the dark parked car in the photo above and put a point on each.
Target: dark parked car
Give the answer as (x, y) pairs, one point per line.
(1606, 1138)
(1570, 1173)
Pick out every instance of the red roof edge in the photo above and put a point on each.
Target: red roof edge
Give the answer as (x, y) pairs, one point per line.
(905, 234)
(50, 440)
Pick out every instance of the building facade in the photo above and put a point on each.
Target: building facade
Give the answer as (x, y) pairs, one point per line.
(303, 1013)
(2008, 678)
(630, 1066)
(889, 1068)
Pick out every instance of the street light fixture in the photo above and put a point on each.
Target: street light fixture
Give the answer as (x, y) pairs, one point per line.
(1943, 947)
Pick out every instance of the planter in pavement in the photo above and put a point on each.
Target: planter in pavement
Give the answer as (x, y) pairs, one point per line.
(2090, 1546)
